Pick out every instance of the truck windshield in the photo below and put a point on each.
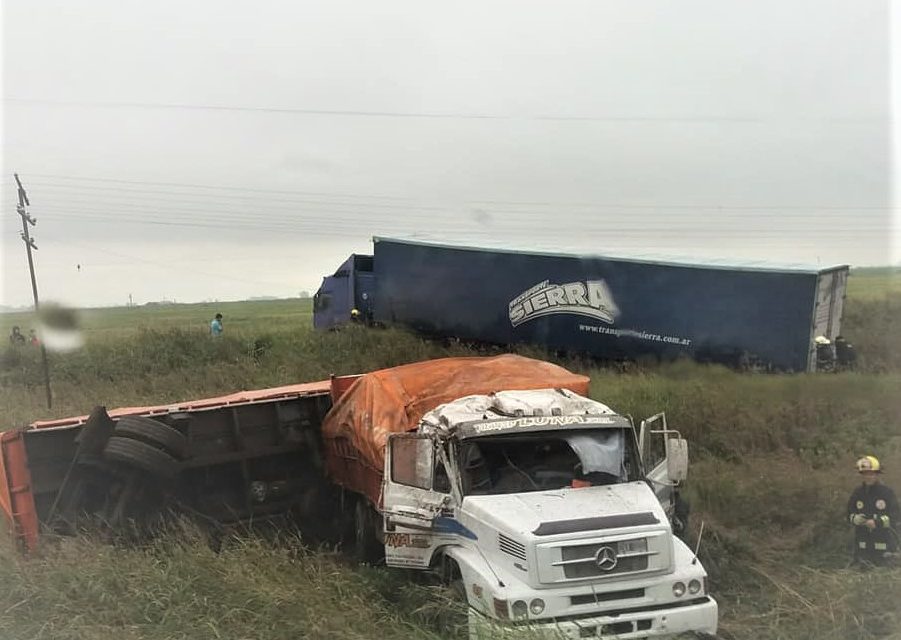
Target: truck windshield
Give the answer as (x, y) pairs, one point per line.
(543, 461)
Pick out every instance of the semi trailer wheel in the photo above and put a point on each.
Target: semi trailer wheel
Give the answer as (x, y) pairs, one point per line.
(155, 433)
(143, 456)
(366, 546)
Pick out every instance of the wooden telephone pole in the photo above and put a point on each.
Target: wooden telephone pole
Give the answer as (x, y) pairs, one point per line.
(29, 246)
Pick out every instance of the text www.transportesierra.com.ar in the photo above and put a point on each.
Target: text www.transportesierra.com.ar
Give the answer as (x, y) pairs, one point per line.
(631, 333)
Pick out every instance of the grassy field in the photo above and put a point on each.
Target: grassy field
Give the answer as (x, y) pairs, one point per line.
(772, 467)
(875, 283)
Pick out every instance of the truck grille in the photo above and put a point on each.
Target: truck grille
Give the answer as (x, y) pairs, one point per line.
(583, 561)
(511, 547)
(595, 598)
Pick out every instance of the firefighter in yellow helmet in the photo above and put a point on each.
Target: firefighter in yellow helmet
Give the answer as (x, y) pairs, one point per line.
(873, 510)
(355, 316)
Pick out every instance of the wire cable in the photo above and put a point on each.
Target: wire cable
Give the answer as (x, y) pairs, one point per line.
(540, 203)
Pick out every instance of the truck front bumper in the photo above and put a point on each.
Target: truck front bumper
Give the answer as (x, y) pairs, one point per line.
(653, 622)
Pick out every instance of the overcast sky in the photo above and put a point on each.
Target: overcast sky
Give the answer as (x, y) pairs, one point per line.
(222, 150)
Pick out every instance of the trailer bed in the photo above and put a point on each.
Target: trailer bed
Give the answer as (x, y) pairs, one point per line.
(262, 436)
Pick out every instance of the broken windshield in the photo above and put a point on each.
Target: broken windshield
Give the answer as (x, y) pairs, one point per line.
(546, 461)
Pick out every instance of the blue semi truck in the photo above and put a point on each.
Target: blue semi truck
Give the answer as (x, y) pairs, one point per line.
(612, 308)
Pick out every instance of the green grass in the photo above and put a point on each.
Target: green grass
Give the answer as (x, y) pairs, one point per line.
(874, 283)
(772, 467)
(177, 588)
(109, 323)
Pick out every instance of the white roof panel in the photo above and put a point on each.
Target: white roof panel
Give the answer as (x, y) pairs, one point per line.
(650, 258)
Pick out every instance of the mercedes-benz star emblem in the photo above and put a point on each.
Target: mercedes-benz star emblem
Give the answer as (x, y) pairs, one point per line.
(605, 558)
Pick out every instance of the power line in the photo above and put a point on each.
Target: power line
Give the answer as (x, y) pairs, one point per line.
(696, 207)
(205, 198)
(220, 227)
(304, 215)
(686, 119)
(363, 229)
(301, 216)
(332, 226)
(217, 187)
(546, 203)
(130, 258)
(141, 213)
(612, 233)
(257, 109)
(370, 210)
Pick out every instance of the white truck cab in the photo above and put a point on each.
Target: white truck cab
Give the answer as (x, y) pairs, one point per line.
(540, 507)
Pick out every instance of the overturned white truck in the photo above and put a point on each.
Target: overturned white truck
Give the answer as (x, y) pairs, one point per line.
(538, 507)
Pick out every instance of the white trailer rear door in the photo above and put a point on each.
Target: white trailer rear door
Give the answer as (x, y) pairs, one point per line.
(830, 301)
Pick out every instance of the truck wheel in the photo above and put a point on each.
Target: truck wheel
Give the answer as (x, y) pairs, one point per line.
(141, 455)
(155, 433)
(453, 620)
(366, 546)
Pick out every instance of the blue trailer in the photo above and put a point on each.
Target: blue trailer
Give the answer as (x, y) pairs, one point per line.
(606, 307)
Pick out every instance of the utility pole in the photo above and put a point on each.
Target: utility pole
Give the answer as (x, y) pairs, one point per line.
(29, 246)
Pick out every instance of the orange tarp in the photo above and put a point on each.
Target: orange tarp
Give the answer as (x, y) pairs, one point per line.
(394, 400)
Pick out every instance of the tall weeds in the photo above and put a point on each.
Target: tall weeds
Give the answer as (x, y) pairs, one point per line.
(772, 468)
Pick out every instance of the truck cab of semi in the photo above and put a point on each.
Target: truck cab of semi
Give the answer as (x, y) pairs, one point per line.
(544, 509)
(351, 286)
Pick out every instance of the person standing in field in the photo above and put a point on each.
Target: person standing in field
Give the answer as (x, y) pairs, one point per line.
(216, 326)
(15, 337)
(873, 510)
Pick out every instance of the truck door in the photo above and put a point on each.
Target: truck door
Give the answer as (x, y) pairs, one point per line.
(411, 503)
(332, 302)
(364, 295)
(665, 457)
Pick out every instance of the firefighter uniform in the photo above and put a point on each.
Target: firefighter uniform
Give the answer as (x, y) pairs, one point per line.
(878, 503)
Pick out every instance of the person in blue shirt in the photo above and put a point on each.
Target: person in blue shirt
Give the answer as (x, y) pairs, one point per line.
(216, 326)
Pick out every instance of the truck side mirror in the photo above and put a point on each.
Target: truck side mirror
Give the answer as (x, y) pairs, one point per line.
(676, 459)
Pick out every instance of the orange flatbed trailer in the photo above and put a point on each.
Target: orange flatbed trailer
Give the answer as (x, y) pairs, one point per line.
(17, 496)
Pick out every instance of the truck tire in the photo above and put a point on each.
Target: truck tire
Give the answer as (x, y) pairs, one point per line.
(453, 617)
(366, 546)
(143, 456)
(155, 433)
(453, 621)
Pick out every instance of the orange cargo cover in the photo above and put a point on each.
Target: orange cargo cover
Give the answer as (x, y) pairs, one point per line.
(394, 400)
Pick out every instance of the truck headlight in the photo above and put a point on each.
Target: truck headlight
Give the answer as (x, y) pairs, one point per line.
(633, 546)
(679, 589)
(520, 610)
(536, 606)
(694, 587)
